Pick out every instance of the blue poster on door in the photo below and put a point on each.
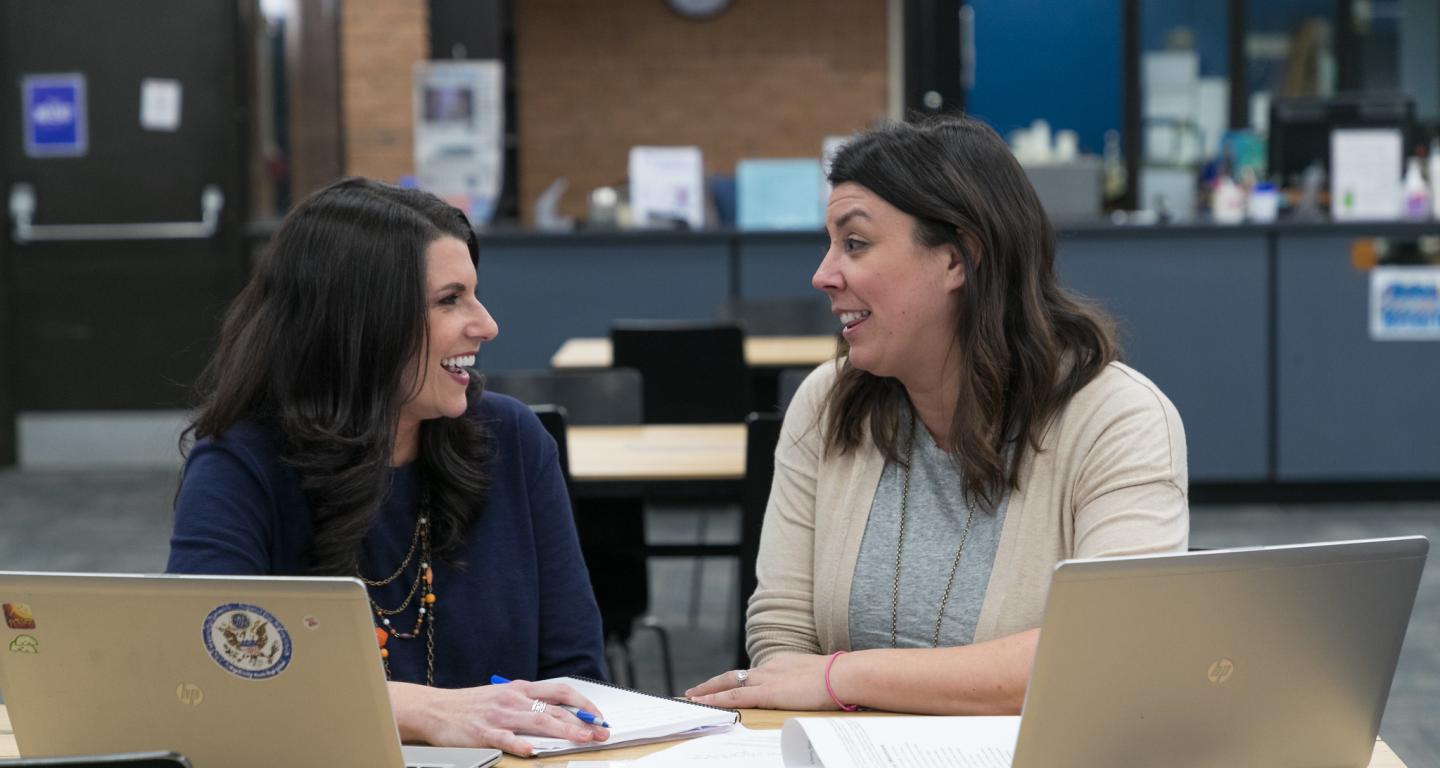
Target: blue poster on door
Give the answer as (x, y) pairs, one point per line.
(53, 108)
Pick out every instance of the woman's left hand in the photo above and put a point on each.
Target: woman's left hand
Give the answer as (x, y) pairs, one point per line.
(793, 681)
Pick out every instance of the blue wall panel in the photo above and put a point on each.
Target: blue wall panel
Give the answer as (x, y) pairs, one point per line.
(1061, 61)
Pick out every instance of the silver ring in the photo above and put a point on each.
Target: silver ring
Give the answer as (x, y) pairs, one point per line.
(742, 676)
(538, 706)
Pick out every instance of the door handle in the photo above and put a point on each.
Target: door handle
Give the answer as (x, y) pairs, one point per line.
(22, 212)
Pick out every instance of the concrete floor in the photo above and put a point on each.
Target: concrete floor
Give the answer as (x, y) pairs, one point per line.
(118, 520)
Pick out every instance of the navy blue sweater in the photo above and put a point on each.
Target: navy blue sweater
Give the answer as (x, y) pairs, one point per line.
(521, 604)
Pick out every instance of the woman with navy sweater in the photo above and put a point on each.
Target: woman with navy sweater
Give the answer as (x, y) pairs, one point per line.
(342, 431)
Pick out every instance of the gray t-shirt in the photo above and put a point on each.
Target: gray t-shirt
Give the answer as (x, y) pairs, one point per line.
(934, 521)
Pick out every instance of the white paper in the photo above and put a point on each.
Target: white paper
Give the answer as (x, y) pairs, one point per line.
(899, 742)
(1365, 178)
(160, 104)
(1212, 101)
(636, 718)
(739, 747)
(1166, 68)
(1170, 82)
(667, 184)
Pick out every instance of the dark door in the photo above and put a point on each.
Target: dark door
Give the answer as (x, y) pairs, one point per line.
(118, 318)
(938, 63)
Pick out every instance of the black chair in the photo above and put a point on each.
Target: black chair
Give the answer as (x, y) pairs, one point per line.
(790, 381)
(762, 435)
(694, 372)
(611, 530)
(785, 316)
(592, 396)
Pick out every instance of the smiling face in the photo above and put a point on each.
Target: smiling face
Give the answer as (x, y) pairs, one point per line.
(897, 300)
(456, 324)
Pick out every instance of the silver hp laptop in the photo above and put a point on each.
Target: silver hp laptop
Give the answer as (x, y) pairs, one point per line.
(223, 670)
(1272, 656)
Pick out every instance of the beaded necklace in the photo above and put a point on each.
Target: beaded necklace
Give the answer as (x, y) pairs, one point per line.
(423, 587)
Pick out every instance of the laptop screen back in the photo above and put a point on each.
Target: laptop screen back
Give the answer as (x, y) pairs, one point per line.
(224, 670)
(1265, 656)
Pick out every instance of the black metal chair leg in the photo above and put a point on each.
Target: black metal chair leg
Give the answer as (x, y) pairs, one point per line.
(697, 571)
(666, 666)
(615, 656)
(629, 666)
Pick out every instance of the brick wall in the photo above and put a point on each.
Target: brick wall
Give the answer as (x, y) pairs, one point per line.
(769, 78)
(380, 41)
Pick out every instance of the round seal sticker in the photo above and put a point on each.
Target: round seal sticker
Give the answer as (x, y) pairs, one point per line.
(246, 640)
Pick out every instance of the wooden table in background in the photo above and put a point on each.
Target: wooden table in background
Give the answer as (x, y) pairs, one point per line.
(760, 352)
(752, 718)
(657, 452)
(673, 461)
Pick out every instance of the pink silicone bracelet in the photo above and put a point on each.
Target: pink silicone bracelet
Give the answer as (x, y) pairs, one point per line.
(830, 662)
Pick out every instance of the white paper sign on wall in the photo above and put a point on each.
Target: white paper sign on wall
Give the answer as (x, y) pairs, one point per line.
(160, 104)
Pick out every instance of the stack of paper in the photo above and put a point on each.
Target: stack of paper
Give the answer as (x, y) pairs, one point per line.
(897, 742)
(853, 742)
(637, 718)
(739, 747)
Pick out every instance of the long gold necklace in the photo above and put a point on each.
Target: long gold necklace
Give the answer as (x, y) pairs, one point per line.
(423, 587)
(900, 548)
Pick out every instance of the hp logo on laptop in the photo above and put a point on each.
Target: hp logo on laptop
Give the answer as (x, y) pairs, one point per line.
(1221, 671)
(189, 694)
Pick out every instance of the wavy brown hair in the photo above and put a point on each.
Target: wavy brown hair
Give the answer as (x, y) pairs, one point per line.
(1026, 345)
(318, 348)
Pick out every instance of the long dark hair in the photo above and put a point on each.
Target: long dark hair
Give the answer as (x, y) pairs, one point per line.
(318, 346)
(1026, 345)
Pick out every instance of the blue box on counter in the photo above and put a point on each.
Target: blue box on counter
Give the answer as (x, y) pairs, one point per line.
(780, 194)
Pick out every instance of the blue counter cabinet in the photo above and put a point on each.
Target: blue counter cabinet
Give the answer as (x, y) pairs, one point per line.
(1193, 317)
(780, 264)
(1348, 408)
(544, 290)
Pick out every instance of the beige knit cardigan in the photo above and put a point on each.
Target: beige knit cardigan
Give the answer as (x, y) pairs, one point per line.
(1109, 479)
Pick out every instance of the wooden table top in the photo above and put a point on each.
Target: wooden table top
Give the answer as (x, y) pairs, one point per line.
(760, 351)
(1383, 756)
(657, 452)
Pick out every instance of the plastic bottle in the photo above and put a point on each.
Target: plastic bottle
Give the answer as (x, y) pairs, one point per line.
(1114, 165)
(1228, 203)
(1417, 195)
(1264, 204)
(1435, 178)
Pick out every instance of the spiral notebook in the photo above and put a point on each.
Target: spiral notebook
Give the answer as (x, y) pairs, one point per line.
(637, 718)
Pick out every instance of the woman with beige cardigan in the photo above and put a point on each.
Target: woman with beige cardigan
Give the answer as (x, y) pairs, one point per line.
(976, 429)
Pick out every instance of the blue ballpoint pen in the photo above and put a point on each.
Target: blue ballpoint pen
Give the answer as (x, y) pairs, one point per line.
(587, 717)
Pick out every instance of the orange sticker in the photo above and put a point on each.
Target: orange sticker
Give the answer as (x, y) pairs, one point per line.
(18, 616)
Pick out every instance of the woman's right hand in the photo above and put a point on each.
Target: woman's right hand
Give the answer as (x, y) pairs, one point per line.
(491, 715)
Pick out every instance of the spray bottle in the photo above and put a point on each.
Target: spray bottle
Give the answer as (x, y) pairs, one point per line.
(1417, 196)
(1435, 177)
